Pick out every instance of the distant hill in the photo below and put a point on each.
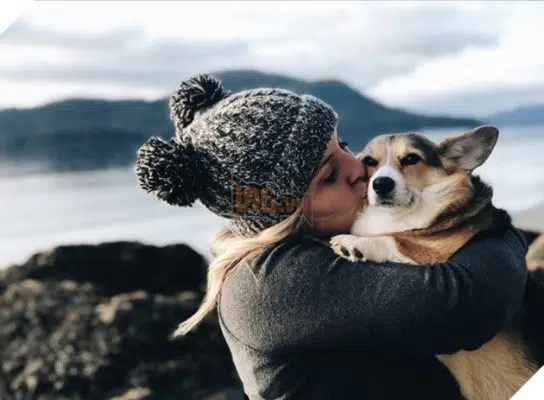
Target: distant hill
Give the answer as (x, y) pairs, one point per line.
(526, 115)
(80, 134)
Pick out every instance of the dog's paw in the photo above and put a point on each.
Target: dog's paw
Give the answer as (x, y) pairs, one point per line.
(348, 246)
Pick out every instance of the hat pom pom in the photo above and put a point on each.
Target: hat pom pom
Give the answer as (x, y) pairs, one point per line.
(166, 169)
(193, 95)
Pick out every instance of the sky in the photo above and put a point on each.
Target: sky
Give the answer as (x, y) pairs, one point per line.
(443, 58)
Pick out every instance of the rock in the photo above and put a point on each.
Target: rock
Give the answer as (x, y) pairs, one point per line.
(117, 267)
(108, 311)
(95, 322)
(227, 394)
(135, 394)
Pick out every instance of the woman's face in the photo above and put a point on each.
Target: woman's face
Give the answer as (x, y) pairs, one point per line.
(337, 191)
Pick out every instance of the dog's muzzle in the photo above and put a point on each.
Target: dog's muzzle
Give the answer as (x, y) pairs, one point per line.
(384, 191)
(383, 186)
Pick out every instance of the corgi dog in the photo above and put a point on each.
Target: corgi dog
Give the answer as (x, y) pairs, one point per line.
(424, 204)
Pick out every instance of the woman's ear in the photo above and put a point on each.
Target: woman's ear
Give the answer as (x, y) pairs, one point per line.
(471, 149)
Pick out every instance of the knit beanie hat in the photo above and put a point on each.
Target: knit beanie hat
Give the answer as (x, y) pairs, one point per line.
(248, 157)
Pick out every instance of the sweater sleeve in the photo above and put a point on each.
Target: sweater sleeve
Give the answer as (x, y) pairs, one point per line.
(300, 294)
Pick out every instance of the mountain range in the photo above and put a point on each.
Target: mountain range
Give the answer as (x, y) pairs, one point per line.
(82, 134)
(526, 115)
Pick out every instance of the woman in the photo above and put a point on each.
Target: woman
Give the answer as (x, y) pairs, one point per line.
(301, 322)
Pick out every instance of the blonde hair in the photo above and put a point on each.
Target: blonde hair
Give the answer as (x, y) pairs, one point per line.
(229, 251)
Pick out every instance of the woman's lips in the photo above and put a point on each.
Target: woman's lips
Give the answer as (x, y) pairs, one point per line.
(363, 202)
(361, 188)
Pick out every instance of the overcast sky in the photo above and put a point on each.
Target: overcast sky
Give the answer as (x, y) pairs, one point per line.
(436, 57)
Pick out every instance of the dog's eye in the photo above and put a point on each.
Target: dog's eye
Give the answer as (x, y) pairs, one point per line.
(410, 159)
(369, 161)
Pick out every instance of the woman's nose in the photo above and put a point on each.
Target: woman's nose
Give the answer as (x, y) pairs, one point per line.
(357, 170)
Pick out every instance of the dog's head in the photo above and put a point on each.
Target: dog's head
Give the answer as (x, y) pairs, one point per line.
(404, 167)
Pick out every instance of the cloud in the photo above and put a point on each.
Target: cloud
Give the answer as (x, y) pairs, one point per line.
(475, 80)
(119, 58)
(385, 48)
(22, 33)
(478, 102)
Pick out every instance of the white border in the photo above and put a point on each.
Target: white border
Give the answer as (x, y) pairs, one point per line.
(10, 10)
(533, 389)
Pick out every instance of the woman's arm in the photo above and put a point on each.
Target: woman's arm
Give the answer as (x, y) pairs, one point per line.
(300, 294)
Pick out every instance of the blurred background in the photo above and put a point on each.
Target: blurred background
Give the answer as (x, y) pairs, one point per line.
(84, 84)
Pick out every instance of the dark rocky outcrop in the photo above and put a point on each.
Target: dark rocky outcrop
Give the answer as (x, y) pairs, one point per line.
(117, 267)
(95, 322)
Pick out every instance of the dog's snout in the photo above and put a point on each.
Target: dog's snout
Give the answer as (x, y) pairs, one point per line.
(383, 185)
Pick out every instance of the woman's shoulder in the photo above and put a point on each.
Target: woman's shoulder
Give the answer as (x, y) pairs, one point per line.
(258, 296)
(252, 285)
(291, 249)
(280, 260)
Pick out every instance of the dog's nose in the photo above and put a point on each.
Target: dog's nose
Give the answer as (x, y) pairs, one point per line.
(383, 185)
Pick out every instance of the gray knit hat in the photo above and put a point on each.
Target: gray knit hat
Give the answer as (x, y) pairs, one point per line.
(248, 157)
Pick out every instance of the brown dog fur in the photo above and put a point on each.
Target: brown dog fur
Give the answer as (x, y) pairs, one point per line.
(464, 208)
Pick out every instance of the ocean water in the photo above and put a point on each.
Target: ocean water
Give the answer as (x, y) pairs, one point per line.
(42, 210)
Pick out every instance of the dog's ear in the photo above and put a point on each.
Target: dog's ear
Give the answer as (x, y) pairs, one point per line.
(471, 149)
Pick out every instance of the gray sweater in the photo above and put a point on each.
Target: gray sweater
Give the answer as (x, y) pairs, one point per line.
(303, 323)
